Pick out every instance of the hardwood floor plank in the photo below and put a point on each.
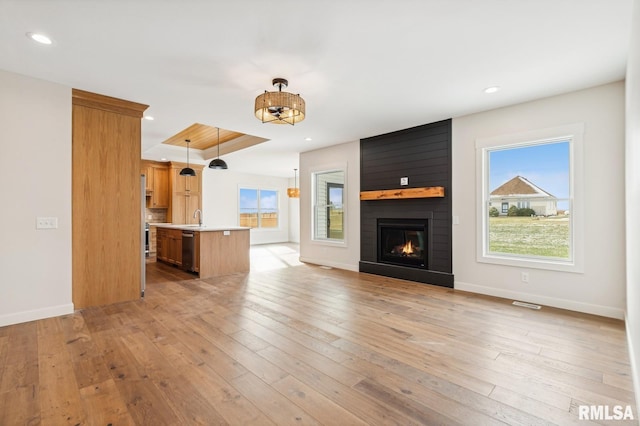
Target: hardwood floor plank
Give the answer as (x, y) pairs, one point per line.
(60, 397)
(190, 406)
(315, 359)
(362, 406)
(321, 408)
(404, 405)
(265, 370)
(442, 380)
(307, 345)
(418, 389)
(105, 405)
(210, 354)
(272, 403)
(593, 393)
(232, 405)
(552, 414)
(145, 403)
(19, 388)
(21, 406)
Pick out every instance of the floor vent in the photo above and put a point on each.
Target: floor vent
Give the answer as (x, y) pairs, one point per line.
(325, 267)
(526, 305)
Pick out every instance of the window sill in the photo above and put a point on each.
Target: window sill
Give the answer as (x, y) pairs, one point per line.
(533, 263)
(332, 243)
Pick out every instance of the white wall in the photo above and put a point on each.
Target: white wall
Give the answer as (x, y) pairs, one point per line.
(633, 196)
(220, 205)
(344, 256)
(294, 215)
(35, 170)
(601, 288)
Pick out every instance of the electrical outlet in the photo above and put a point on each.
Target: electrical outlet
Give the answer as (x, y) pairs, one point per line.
(524, 277)
(46, 223)
(226, 232)
(404, 181)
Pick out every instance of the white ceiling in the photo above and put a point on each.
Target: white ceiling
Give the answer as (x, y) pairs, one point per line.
(364, 67)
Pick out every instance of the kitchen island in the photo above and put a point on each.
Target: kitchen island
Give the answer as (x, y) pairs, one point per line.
(207, 251)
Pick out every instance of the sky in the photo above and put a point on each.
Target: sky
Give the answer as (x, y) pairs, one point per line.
(249, 200)
(544, 165)
(335, 197)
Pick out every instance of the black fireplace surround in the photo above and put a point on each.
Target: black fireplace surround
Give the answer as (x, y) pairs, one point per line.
(410, 238)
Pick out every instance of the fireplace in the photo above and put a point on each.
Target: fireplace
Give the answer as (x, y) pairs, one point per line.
(419, 157)
(403, 242)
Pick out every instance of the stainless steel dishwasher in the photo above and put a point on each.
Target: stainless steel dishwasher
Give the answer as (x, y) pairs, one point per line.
(188, 251)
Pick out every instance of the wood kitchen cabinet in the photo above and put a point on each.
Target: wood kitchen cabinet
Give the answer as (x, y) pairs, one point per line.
(183, 207)
(185, 194)
(147, 171)
(216, 251)
(106, 238)
(169, 246)
(157, 184)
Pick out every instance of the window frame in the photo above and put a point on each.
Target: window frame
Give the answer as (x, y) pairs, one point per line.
(314, 173)
(258, 190)
(573, 133)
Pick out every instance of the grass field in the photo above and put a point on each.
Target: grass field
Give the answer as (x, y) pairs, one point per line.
(530, 236)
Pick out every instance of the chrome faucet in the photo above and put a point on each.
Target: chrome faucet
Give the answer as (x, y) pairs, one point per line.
(198, 213)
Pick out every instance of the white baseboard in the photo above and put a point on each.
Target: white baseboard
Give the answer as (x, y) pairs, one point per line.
(635, 373)
(36, 314)
(323, 262)
(587, 308)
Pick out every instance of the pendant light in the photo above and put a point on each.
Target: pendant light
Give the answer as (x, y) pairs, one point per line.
(217, 163)
(294, 192)
(187, 171)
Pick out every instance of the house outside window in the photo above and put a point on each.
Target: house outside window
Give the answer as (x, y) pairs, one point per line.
(258, 208)
(530, 213)
(329, 206)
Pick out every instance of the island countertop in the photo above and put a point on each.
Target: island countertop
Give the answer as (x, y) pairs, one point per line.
(203, 228)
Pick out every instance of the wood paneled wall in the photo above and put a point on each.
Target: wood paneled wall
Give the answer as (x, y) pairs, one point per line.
(423, 155)
(107, 199)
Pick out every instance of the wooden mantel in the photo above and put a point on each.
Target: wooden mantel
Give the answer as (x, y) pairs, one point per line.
(400, 193)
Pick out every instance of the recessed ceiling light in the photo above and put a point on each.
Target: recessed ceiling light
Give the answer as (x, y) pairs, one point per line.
(308, 139)
(163, 159)
(492, 89)
(148, 117)
(40, 38)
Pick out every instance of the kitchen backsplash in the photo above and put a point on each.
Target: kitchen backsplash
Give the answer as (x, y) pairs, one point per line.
(156, 215)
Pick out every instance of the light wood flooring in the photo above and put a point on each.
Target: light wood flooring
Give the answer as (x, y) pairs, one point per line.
(298, 344)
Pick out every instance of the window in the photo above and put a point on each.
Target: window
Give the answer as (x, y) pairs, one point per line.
(258, 208)
(530, 211)
(328, 221)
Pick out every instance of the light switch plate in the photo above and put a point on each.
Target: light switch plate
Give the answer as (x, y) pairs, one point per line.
(404, 181)
(46, 223)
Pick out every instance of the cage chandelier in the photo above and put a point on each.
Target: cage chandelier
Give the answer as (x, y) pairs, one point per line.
(279, 107)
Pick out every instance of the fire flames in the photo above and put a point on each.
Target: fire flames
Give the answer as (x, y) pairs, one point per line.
(407, 248)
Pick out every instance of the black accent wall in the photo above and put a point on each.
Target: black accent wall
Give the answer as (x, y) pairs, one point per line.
(423, 154)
